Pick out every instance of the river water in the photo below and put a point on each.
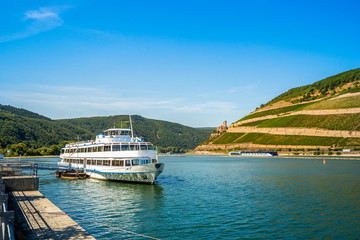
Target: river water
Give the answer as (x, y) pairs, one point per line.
(213, 197)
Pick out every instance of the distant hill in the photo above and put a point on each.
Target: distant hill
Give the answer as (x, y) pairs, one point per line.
(21, 112)
(20, 125)
(324, 116)
(161, 133)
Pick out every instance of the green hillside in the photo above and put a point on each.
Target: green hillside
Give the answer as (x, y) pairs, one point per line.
(21, 112)
(324, 87)
(34, 131)
(325, 115)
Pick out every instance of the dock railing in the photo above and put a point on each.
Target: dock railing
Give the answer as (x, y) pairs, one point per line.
(16, 168)
(6, 217)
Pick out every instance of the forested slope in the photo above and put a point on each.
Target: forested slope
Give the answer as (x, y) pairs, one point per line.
(34, 131)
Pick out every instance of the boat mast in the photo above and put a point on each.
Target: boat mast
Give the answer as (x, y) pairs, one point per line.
(132, 133)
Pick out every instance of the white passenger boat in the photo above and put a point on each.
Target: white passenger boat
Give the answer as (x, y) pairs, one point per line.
(114, 155)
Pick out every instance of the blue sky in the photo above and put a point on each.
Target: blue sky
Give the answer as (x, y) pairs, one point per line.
(197, 63)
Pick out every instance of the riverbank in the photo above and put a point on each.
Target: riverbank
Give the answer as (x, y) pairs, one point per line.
(281, 155)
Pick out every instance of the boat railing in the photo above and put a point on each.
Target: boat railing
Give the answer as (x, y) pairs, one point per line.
(76, 143)
(6, 217)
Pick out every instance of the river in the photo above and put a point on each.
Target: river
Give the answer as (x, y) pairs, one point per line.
(217, 197)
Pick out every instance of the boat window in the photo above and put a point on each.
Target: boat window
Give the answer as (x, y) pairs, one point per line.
(116, 147)
(135, 162)
(134, 147)
(88, 162)
(124, 147)
(151, 147)
(107, 148)
(106, 162)
(112, 133)
(81, 161)
(143, 147)
(107, 133)
(127, 163)
(98, 162)
(116, 163)
(62, 151)
(99, 149)
(118, 132)
(93, 162)
(142, 161)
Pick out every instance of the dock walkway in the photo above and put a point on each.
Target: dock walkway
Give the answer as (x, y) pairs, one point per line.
(41, 219)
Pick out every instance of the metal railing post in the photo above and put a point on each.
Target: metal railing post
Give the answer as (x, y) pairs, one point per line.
(7, 218)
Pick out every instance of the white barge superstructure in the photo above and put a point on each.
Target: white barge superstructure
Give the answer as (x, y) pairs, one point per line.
(254, 153)
(114, 155)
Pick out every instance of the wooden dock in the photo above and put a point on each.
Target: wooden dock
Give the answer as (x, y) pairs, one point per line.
(41, 219)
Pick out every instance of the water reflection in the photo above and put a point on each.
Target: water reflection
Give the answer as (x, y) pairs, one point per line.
(217, 197)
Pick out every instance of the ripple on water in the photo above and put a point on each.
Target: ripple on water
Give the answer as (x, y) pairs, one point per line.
(207, 197)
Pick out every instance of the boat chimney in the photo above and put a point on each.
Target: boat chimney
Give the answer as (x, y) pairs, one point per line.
(131, 127)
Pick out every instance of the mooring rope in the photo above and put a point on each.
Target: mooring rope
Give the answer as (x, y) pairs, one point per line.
(115, 228)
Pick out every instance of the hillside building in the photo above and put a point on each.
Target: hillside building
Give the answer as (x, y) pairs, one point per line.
(222, 128)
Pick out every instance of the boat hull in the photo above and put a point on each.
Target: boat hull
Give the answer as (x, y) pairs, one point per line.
(140, 174)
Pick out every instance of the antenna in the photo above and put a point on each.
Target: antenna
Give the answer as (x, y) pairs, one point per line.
(132, 133)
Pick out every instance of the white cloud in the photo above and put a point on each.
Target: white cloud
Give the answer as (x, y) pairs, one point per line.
(207, 107)
(75, 101)
(37, 21)
(42, 13)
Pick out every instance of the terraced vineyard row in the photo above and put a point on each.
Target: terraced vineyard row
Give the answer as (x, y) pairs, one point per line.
(271, 139)
(332, 122)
